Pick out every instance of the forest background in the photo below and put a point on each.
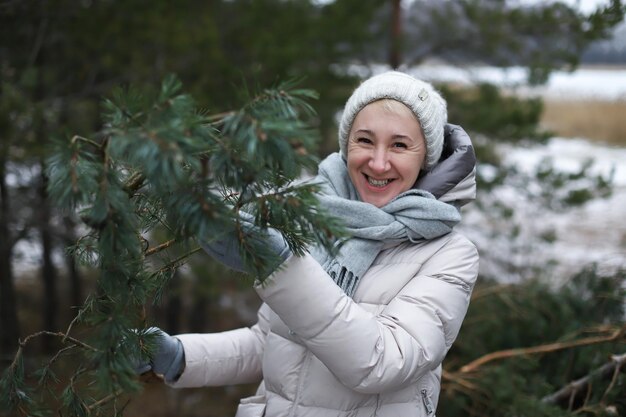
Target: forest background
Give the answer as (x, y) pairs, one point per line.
(533, 327)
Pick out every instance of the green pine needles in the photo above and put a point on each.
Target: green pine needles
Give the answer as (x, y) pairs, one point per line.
(162, 174)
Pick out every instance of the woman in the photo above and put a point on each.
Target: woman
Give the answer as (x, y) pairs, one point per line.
(362, 333)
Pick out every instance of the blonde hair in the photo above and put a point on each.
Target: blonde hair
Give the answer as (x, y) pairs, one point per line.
(392, 106)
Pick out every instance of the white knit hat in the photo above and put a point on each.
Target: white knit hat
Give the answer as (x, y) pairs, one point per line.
(419, 96)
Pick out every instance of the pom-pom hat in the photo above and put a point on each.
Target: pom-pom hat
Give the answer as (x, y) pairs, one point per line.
(419, 96)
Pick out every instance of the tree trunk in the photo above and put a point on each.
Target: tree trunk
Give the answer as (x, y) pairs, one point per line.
(8, 307)
(68, 233)
(48, 271)
(395, 55)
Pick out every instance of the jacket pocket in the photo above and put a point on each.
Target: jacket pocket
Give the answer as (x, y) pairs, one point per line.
(251, 407)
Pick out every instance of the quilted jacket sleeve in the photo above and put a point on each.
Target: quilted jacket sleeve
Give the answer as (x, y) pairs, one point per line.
(232, 357)
(369, 353)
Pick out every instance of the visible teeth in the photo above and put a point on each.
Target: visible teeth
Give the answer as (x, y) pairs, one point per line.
(377, 183)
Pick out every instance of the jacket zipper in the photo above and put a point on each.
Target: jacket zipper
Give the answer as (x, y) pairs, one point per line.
(427, 404)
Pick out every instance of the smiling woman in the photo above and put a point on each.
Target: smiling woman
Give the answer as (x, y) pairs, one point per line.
(391, 129)
(361, 330)
(386, 151)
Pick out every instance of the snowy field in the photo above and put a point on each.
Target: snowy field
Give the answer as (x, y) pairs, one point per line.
(594, 232)
(584, 83)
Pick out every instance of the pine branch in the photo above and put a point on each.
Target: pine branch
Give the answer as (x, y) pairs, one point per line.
(218, 118)
(134, 183)
(615, 335)
(15, 392)
(161, 165)
(618, 368)
(574, 387)
(77, 138)
(464, 383)
(63, 337)
(490, 290)
(159, 248)
(105, 400)
(177, 262)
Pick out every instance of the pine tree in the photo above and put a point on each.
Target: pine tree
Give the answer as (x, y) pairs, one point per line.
(535, 349)
(161, 165)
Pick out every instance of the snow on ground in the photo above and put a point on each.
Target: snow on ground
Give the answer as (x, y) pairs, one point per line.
(584, 83)
(593, 232)
(568, 154)
(597, 230)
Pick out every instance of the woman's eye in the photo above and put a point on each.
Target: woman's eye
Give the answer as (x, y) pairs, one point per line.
(363, 140)
(400, 145)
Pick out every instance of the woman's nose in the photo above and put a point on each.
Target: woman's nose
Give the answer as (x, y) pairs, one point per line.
(379, 162)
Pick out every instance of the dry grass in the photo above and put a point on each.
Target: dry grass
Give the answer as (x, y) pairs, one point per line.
(604, 121)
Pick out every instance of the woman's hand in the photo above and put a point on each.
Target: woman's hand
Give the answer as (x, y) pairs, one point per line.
(226, 248)
(168, 361)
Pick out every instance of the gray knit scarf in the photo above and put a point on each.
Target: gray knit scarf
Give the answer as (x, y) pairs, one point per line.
(413, 215)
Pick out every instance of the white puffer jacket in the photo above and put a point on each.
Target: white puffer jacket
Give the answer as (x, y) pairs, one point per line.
(320, 353)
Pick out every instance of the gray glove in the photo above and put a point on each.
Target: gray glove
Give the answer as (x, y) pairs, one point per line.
(225, 249)
(168, 361)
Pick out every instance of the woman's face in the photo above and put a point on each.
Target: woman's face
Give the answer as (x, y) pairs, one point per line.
(386, 150)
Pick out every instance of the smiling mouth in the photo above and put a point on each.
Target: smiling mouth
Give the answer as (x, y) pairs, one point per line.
(377, 183)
